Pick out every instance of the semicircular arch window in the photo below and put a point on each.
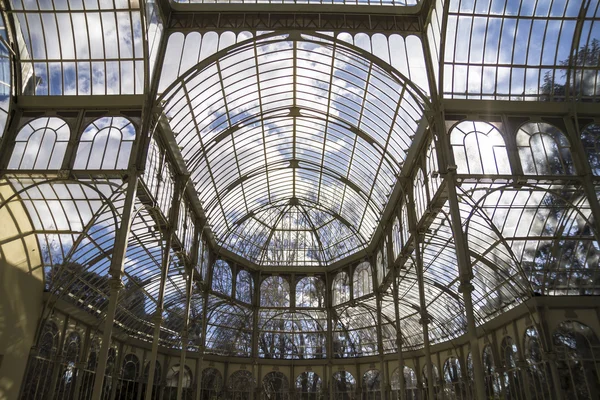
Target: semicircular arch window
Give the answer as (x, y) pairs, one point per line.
(275, 292)
(343, 384)
(310, 292)
(479, 148)
(544, 150)
(309, 384)
(244, 286)
(590, 137)
(106, 144)
(363, 279)
(40, 144)
(5, 77)
(221, 278)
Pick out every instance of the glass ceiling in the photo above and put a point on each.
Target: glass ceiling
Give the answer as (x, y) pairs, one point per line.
(293, 132)
(295, 143)
(345, 2)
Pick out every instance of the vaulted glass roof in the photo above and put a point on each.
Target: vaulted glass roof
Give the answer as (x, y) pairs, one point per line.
(296, 142)
(298, 120)
(311, 2)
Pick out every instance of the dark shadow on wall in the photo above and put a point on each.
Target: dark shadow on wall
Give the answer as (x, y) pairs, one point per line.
(21, 291)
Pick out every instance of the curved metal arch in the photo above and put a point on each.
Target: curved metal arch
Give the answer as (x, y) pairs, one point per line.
(395, 136)
(304, 211)
(476, 209)
(294, 112)
(284, 164)
(107, 203)
(573, 206)
(15, 67)
(296, 36)
(301, 312)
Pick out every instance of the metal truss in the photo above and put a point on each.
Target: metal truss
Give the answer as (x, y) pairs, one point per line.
(289, 21)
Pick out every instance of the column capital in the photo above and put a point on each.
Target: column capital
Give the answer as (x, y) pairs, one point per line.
(157, 317)
(466, 287)
(115, 284)
(425, 320)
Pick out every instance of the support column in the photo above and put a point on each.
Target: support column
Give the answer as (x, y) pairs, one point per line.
(115, 283)
(549, 354)
(466, 288)
(166, 261)
(82, 363)
(140, 378)
(522, 365)
(185, 330)
(199, 375)
(58, 362)
(399, 340)
(412, 218)
(116, 372)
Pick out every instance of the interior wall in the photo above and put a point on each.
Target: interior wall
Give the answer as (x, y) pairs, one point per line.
(21, 290)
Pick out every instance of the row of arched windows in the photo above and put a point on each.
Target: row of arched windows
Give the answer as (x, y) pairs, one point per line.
(105, 144)
(576, 346)
(543, 149)
(310, 290)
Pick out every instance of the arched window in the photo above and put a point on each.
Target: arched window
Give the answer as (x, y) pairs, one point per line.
(229, 328)
(310, 292)
(371, 384)
(492, 382)
(106, 144)
(5, 78)
(379, 263)
(436, 378)
(578, 351)
(275, 292)
(341, 288)
(433, 171)
(172, 381)
(363, 281)
(155, 381)
(39, 375)
(241, 385)
(396, 237)
(343, 385)
(308, 385)
(128, 382)
(470, 372)
(544, 150)
(87, 385)
(212, 384)
(40, 144)
(420, 194)
(410, 377)
(276, 386)
(65, 386)
(205, 260)
(410, 383)
(244, 286)
(512, 379)
(453, 384)
(221, 278)
(537, 369)
(404, 223)
(291, 335)
(479, 148)
(590, 137)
